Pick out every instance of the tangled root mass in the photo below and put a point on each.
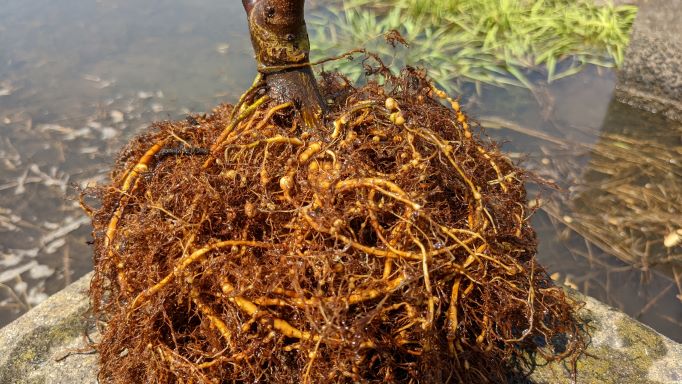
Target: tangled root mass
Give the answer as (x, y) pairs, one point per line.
(392, 247)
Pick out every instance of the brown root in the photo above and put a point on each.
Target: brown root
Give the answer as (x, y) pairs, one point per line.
(392, 246)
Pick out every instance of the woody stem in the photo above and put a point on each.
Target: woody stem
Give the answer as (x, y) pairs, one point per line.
(280, 42)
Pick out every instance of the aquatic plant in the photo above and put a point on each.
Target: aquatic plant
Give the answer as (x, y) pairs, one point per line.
(498, 42)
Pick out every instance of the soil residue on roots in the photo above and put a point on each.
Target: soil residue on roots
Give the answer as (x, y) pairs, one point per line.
(391, 246)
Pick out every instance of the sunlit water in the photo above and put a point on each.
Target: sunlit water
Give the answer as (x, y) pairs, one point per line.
(78, 78)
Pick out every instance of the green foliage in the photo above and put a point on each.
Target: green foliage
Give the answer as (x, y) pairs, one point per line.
(498, 42)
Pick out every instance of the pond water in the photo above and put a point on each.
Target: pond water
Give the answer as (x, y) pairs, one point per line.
(78, 78)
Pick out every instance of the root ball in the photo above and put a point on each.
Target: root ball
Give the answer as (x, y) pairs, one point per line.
(392, 247)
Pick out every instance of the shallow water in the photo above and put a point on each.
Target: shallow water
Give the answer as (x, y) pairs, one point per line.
(78, 78)
(581, 110)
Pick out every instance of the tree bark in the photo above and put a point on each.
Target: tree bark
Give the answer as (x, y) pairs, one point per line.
(280, 41)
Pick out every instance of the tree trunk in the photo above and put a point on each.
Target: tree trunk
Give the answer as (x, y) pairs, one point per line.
(280, 41)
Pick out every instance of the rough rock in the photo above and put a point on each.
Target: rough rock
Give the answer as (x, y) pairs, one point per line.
(54, 330)
(651, 77)
(622, 351)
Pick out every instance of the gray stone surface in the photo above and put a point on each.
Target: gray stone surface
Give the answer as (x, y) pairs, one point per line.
(31, 345)
(651, 77)
(33, 348)
(621, 351)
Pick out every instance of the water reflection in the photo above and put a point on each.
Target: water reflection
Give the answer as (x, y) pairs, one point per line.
(78, 78)
(619, 177)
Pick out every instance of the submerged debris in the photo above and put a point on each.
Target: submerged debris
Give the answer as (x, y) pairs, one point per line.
(623, 192)
(392, 246)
